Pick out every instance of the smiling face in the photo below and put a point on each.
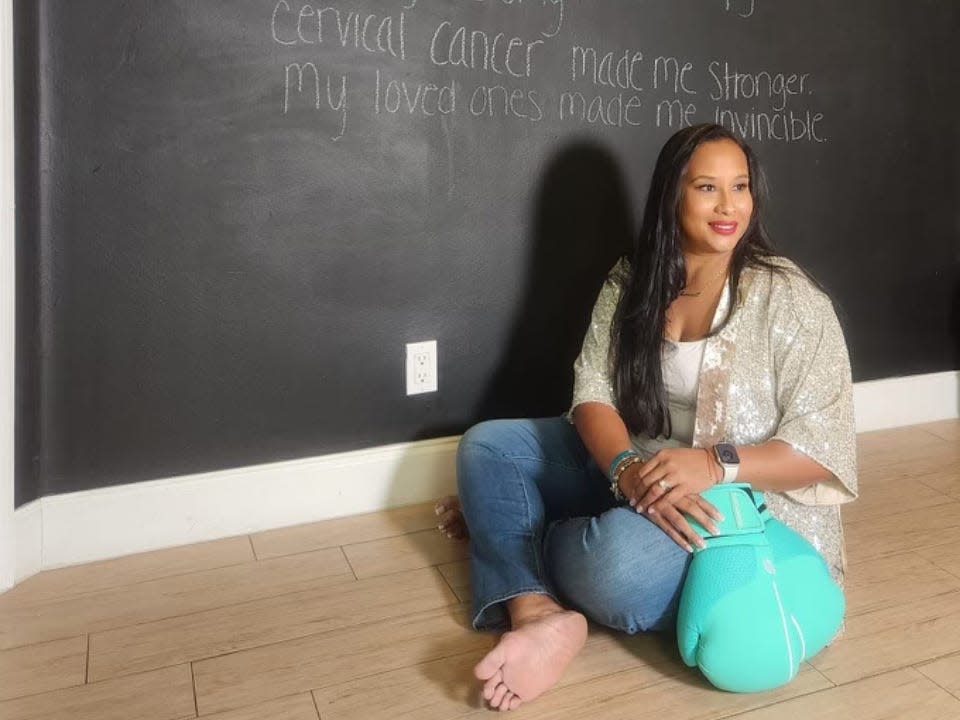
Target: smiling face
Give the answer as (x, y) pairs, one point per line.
(716, 203)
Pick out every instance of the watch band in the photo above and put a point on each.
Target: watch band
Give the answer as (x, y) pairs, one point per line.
(730, 473)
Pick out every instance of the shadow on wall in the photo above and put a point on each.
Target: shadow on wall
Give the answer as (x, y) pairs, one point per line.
(582, 222)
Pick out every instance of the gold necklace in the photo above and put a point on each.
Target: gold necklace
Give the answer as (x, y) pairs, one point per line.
(709, 282)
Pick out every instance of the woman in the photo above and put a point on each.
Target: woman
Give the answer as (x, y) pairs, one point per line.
(708, 359)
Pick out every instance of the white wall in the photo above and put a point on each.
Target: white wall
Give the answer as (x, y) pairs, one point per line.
(7, 294)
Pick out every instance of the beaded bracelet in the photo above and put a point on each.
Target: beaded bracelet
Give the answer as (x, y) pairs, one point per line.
(619, 459)
(621, 468)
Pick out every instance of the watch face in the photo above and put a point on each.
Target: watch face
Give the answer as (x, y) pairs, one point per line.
(727, 454)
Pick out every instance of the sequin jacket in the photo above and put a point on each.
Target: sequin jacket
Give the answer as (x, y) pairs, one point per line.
(779, 369)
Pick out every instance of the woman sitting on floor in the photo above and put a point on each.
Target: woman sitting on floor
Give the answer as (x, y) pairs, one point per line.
(708, 359)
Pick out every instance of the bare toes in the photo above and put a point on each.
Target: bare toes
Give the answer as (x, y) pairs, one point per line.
(491, 666)
(499, 694)
(515, 702)
(490, 686)
(450, 519)
(505, 703)
(447, 519)
(456, 529)
(450, 503)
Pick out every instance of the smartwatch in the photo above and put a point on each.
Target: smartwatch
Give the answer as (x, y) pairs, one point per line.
(726, 455)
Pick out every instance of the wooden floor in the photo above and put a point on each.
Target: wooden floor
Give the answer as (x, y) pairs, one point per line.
(364, 618)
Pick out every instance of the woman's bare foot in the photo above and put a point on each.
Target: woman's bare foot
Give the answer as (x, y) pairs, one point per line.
(532, 657)
(450, 519)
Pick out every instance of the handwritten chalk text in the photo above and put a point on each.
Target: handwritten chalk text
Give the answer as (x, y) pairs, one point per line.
(499, 101)
(609, 69)
(364, 31)
(667, 68)
(338, 105)
(789, 126)
(684, 113)
(425, 98)
(729, 84)
(557, 6)
(615, 111)
(743, 8)
(476, 50)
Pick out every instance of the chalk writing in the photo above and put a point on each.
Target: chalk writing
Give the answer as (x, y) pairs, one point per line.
(743, 8)
(557, 6)
(613, 88)
(499, 101)
(790, 126)
(673, 113)
(729, 84)
(338, 105)
(615, 111)
(609, 69)
(427, 99)
(665, 68)
(476, 50)
(365, 31)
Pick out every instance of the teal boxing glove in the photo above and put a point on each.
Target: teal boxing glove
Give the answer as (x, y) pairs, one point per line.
(815, 600)
(757, 601)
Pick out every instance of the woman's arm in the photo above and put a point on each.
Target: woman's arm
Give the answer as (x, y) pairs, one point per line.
(675, 472)
(777, 466)
(605, 436)
(602, 430)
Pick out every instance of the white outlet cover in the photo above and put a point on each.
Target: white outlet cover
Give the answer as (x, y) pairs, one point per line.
(422, 367)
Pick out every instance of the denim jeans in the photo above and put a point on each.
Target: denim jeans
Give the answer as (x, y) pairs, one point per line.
(542, 520)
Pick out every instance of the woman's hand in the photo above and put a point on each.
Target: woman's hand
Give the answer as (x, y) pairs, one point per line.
(667, 486)
(670, 517)
(670, 472)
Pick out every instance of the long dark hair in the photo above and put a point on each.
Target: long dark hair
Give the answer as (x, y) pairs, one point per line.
(657, 275)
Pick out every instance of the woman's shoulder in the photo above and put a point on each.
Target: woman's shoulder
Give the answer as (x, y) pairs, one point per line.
(791, 290)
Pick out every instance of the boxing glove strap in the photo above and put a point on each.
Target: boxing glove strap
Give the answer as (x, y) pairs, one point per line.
(743, 513)
(744, 540)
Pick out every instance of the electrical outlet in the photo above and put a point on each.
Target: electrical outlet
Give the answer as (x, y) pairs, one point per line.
(421, 367)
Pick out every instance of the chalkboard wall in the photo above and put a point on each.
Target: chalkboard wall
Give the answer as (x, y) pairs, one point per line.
(232, 216)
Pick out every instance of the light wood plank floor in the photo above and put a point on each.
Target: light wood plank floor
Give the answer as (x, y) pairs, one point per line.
(365, 617)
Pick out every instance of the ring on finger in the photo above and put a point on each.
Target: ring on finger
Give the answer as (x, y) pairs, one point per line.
(664, 485)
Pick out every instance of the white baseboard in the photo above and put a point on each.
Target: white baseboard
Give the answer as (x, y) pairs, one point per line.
(28, 548)
(895, 402)
(97, 524)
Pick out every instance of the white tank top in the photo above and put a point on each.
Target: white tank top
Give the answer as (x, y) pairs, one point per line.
(680, 362)
(681, 379)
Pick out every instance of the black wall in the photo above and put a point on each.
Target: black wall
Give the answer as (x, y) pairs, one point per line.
(216, 272)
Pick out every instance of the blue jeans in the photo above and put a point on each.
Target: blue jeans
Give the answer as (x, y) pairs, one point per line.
(542, 520)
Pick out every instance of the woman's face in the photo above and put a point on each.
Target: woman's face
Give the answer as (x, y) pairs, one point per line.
(716, 202)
